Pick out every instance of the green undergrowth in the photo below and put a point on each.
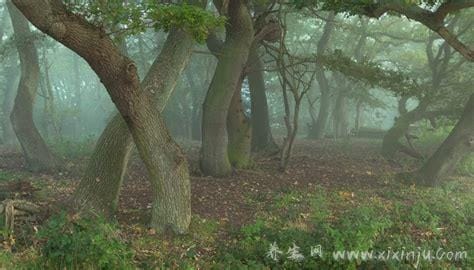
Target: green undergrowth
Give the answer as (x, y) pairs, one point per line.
(394, 218)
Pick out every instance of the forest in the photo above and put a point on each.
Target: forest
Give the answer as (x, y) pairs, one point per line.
(236, 134)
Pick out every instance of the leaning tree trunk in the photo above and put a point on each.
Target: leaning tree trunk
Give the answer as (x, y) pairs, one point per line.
(239, 131)
(37, 155)
(99, 188)
(11, 75)
(232, 59)
(459, 143)
(391, 141)
(262, 139)
(164, 160)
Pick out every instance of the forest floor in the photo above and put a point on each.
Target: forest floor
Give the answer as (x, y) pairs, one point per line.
(251, 203)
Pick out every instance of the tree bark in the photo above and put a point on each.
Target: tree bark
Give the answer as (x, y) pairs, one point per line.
(340, 115)
(459, 143)
(262, 139)
(358, 117)
(100, 187)
(232, 59)
(164, 160)
(11, 75)
(318, 129)
(36, 153)
(239, 130)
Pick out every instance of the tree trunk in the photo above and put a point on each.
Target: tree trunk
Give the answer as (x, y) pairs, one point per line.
(391, 141)
(358, 117)
(239, 131)
(36, 153)
(459, 143)
(232, 59)
(164, 160)
(340, 117)
(99, 188)
(318, 129)
(11, 76)
(262, 139)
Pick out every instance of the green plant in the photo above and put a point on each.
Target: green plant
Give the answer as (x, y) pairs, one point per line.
(82, 243)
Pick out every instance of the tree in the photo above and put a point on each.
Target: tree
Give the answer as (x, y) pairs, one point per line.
(232, 59)
(459, 143)
(163, 158)
(109, 161)
(318, 128)
(36, 153)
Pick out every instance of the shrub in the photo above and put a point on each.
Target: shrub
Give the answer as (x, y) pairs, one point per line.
(73, 243)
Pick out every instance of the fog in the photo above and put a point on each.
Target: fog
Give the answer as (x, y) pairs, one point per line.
(224, 133)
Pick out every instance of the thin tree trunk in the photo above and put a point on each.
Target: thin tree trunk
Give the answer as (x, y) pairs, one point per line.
(239, 130)
(37, 155)
(77, 100)
(358, 118)
(11, 75)
(340, 115)
(459, 143)
(232, 59)
(262, 139)
(318, 129)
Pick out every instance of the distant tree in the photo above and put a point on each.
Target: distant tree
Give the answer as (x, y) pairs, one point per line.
(36, 153)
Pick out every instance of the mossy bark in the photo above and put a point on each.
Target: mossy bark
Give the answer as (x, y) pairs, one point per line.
(11, 75)
(37, 155)
(232, 59)
(459, 143)
(239, 131)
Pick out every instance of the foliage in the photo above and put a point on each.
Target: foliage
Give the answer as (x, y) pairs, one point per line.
(337, 222)
(357, 7)
(74, 243)
(136, 17)
(372, 74)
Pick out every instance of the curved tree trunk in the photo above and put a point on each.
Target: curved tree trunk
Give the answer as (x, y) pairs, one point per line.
(232, 59)
(262, 139)
(239, 130)
(36, 152)
(318, 129)
(164, 160)
(391, 141)
(11, 76)
(99, 188)
(459, 143)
